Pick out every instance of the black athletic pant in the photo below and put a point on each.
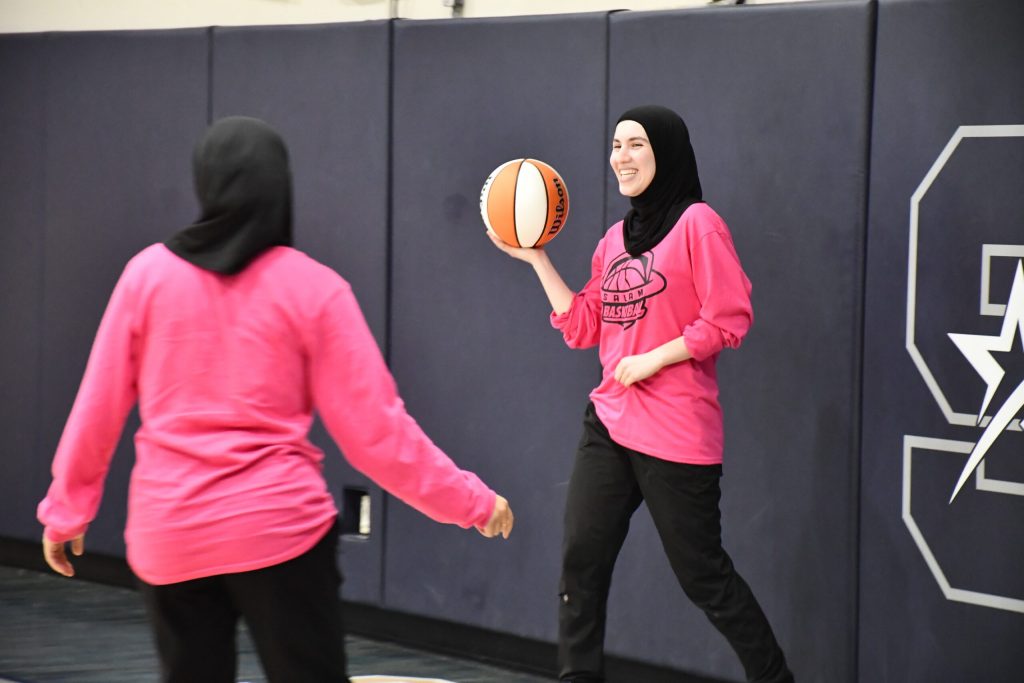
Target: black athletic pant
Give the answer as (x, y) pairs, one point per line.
(292, 610)
(607, 485)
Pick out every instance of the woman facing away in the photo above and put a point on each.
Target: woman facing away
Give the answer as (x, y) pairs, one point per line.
(667, 293)
(229, 339)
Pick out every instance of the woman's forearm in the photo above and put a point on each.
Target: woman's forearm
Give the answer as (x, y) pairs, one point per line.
(672, 352)
(557, 291)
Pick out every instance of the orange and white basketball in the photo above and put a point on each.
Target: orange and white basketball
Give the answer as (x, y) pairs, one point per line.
(525, 202)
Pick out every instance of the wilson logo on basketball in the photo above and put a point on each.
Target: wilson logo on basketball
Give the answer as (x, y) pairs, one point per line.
(627, 286)
(559, 219)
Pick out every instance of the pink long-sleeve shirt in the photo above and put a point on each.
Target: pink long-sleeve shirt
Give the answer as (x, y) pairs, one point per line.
(227, 371)
(691, 284)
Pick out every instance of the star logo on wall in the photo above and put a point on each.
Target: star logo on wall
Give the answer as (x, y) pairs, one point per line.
(978, 350)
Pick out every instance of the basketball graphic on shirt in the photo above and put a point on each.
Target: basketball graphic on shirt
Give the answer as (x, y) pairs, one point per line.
(626, 286)
(629, 274)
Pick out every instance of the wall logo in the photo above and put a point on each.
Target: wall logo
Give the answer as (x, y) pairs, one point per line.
(965, 364)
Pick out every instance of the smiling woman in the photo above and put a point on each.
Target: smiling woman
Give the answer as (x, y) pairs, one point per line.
(667, 294)
(632, 158)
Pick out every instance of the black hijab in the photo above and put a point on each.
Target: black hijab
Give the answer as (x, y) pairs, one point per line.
(675, 186)
(244, 187)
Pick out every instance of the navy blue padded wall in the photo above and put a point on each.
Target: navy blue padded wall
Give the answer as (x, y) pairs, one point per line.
(942, 584)
(21, 270)
(326, 89)
(122, 113)
(777, 100)
(474, 354)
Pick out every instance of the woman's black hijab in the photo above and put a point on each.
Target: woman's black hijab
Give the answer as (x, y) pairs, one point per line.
(675, 186)
(244, 187)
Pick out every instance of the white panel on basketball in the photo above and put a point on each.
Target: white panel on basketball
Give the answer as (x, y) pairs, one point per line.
(483, 203)
(531, 205)
(486, 191)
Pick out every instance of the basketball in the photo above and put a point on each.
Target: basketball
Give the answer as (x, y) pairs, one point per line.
(525, 202)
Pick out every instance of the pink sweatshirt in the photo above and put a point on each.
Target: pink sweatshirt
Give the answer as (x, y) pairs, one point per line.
(227, 371)
(691, 285)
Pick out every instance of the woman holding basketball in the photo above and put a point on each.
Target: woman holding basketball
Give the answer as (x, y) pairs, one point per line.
(666, 295)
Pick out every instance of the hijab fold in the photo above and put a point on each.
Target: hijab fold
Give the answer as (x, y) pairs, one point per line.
(676, 184)
(244, 187)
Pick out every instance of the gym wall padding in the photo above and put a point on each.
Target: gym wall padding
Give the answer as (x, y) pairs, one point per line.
(326, 89)
(122, 112)
(393, 127)
(776, 99)
(474, 354)
(22, 60)
(942, 584)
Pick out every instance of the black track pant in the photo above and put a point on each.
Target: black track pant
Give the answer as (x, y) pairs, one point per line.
(292, 610)
(607, 485)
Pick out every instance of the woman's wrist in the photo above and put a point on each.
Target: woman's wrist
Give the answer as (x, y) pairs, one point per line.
(539, 258)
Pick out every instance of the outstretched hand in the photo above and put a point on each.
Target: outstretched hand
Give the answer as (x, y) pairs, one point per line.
(501, 520)
(55, 556)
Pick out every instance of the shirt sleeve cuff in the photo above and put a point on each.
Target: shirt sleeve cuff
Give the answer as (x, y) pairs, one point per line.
(700, 341)
(486, 510)
(558, 320)
(54, 536)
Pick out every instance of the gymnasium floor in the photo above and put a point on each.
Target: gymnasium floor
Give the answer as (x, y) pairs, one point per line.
(55, 630)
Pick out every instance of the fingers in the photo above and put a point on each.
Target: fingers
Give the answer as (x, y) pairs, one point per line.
(507, 522)
(622, 373)
(528, 255)
(54, 555)
(633, 369)
(503, 245)
(498, 242)
(501, 521)
(506, 528)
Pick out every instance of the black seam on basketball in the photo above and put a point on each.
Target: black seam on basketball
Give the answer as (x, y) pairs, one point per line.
(547, 205)
(515, 190)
